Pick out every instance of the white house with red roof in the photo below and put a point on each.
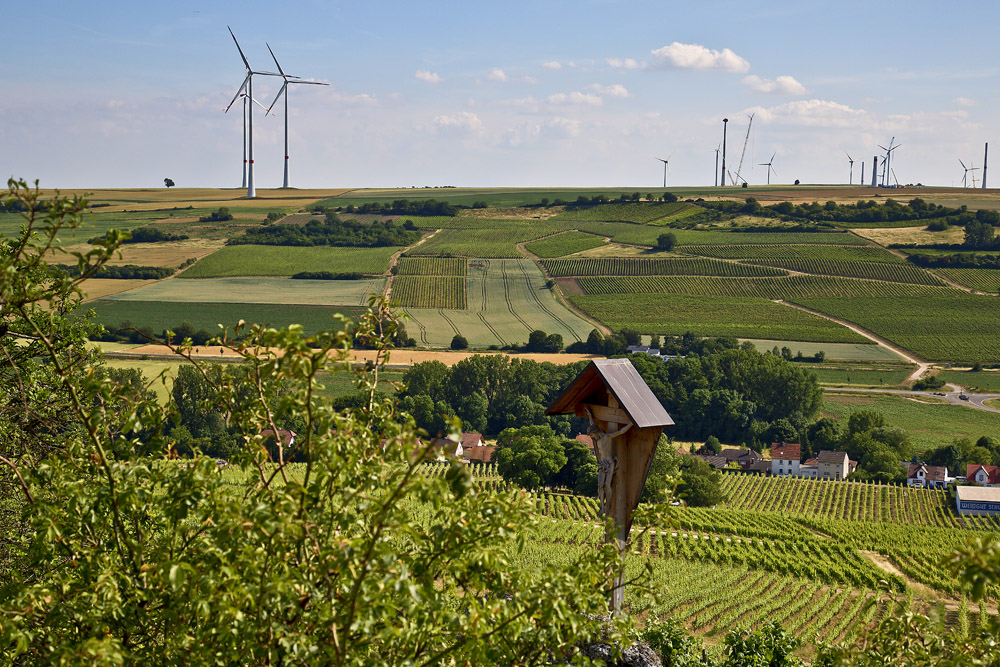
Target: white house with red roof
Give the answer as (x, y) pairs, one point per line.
(928, 477)
(982, 475)
(785, 459)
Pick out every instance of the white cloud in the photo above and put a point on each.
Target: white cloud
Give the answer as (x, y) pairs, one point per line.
(783, 85)
(530, 80)
(812, 113)
(464, 121)
(576, 97)
(965, 102)
(696, 56)
(623, 63)
(497, 74)
(429, 77)
(552, 64)
(615, 90)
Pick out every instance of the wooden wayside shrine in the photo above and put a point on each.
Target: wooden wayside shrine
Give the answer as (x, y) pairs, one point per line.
(626, 420)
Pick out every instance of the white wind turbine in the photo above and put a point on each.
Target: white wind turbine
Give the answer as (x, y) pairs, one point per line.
(248, 87)
(288, 78)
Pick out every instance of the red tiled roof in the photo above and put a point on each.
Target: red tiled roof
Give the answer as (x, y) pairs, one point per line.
(587, 440)
(286, 435)
(788, 452)
(992, 472)
(479, 453)
(931, 473)
(471, 439)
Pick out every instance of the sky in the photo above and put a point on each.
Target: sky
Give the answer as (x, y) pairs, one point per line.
(586, 93)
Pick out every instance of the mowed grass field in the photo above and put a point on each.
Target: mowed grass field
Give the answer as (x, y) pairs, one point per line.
(865, 352)
(160, 315)
(259, 260)
(676, 314)
(258, 290)
(928, 424)
(505, 300)
(565, 243)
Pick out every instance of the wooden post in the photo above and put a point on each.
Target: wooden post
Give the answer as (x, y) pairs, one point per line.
(621, 511)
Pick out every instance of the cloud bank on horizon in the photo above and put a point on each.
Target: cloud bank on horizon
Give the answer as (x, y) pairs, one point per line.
(528, 94)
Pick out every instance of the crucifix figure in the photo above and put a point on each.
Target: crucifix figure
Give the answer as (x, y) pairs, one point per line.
(606, 459)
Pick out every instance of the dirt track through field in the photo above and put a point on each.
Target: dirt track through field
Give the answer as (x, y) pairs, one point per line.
(922, 365)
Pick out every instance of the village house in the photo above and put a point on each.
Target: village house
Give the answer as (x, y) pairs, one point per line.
(743, 457)
(832, 465)
(718, 462)
(587, 440)
(924, 476)
(809, 469)
(977, 500)
(479, 453)
(982, 475)
(785, 459)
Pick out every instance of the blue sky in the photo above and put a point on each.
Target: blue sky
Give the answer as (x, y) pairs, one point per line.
(584, 93)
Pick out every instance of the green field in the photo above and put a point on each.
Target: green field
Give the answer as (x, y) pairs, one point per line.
(160, 315)
(711, 316)
(640, 266)
(563, 244)
(958, 328)
(928, 424)
(506, 300)
(987, 382)
(834, 351)
(983, 280)
(900, 273)
(257, 290)
(890, 377)
(429, 291)
(264, 260)
(500, 197)
(786, 288)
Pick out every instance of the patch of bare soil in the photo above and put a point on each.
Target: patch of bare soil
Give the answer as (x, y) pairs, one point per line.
(570, 286)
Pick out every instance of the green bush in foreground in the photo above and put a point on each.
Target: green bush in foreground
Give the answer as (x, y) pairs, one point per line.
(114, 554)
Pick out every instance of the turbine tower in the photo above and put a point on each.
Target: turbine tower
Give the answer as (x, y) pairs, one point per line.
(851, 160)
(725, 123)
(986, 152)
(769, 167)
(248, 87)
(886, 164)
(284, 91)
(665, 163)
(717, 166)
(965, 174)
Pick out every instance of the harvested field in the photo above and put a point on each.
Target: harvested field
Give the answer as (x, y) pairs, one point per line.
(169, 254)
(99, 288)
(270, 260)
(397, 357)
(918, 235)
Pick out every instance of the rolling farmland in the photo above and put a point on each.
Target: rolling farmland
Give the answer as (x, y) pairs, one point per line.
(257, 290)
(431, 266)
(622, 212)
(505, 301)
(982, 280)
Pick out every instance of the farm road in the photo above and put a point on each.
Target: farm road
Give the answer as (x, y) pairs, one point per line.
(972, 400)
(922, 366)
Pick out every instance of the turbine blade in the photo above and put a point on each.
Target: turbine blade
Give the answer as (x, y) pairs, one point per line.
(238, 92)
(275, 59)
(962, 163)
(283, 86)
(238, 48)
(313, 83)
(772, 157)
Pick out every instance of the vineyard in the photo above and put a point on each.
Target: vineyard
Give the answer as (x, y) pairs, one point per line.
(635, 266)
(958, 328)
(765, 253)
(431, 266)
(429, 291)
(492, 243)
(563, 244)
(676, 314)
(784, 288)
(983, 280)
(900, 273)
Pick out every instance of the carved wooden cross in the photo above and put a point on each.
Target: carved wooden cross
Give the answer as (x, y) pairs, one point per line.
(625, 422)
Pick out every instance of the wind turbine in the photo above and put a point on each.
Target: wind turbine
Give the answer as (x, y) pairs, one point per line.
(965, 175)
(886, 168)
(246, 100)
(769, 167)
(248, 87)
(717, 167)
(851, 160)
(665, 163)
(284, 90)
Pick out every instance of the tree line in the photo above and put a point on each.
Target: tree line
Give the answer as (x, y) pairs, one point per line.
(331, 231)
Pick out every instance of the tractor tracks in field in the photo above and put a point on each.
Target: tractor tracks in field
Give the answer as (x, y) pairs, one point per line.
(394, 260)
(506, 296)
(482, 308)
(545, 309)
